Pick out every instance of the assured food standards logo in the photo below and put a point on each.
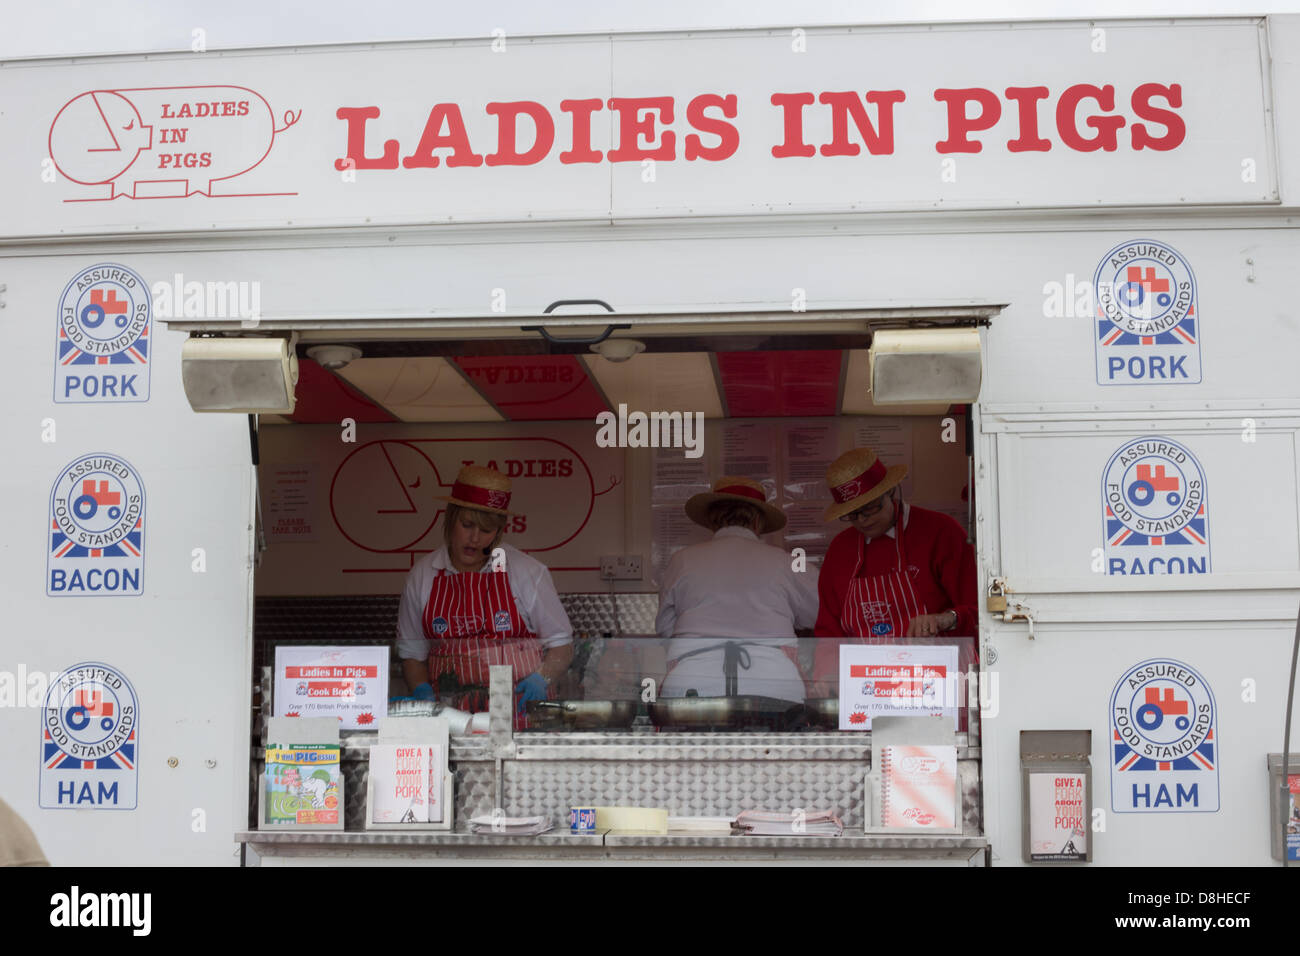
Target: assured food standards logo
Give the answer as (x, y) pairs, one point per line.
(1163, 736)
(102, 339)
(1154, 518)
(96, 527)
(89, 740)
(1146, 324)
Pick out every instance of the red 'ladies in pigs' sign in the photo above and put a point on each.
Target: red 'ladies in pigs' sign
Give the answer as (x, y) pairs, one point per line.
(1153, 122)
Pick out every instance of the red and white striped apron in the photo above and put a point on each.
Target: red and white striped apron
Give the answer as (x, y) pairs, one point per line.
(881, 605)
(472, 622)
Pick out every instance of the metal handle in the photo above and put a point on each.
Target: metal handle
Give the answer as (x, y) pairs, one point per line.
(554, 340)
(559, 302)
(609, 329)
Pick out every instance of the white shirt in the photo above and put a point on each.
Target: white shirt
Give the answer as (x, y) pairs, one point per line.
(891, 533)
(530, 585)
(735, 586)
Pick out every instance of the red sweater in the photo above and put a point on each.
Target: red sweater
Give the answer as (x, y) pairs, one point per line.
(945, 580)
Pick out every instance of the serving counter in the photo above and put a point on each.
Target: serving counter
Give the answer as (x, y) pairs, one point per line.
(688, 774)
(603, 847)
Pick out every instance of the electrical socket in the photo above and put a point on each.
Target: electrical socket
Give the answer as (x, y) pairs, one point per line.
(620, 567)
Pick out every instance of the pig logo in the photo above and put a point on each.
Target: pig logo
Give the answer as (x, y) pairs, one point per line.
(164, 142)
(875, 610)
(849, 490)
(916, 764)
(313, 792)
(380, 497)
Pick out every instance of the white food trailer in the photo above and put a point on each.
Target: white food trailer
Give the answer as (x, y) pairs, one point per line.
(1084, 234)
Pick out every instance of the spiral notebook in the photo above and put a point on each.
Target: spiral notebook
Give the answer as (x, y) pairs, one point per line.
(919, 786)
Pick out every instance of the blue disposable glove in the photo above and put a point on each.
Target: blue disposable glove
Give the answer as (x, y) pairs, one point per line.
(532, 687)
(423, 692)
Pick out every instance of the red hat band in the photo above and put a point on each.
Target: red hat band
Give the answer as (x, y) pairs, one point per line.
(859, 485)
(744, 490)
(486, 497)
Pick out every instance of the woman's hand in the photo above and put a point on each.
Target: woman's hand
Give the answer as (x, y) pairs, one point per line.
(532, 687)
(929, 625)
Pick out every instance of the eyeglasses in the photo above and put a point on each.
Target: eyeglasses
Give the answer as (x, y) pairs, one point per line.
(869, 511)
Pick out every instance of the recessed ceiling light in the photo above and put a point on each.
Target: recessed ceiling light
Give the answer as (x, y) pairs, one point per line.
(618, 350)
(333, 357)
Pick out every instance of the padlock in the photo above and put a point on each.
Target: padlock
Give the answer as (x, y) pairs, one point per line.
(997, 599)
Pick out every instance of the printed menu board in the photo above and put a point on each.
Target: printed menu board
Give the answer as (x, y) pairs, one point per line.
(810, 447)
(291, 503)
(892, 441)
(752, 450)
(676, 477)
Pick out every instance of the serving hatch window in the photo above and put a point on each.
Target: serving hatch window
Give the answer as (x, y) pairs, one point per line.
(599, 472)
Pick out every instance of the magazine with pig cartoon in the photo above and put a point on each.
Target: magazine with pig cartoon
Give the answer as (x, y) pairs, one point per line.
(302, 784)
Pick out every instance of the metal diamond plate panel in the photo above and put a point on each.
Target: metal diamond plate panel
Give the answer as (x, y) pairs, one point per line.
(689, 788)
(686, 774)
(372, 619)
(594, 613)
(672, 779)
(476, 792)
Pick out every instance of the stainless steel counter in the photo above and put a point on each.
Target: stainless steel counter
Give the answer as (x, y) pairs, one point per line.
(614, 845)
(687, 774)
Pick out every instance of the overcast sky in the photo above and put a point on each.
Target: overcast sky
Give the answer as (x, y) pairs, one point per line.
(72, 27)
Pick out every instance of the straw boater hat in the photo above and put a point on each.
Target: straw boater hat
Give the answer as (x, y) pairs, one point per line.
(732, 488)
(857, 478)
(482, 489)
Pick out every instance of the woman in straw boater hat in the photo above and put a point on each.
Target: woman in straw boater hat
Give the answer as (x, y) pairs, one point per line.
(896, 571)
(730, 605)
(465, 608)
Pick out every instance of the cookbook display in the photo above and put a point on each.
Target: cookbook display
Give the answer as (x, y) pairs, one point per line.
(350, 683)
(890, 680)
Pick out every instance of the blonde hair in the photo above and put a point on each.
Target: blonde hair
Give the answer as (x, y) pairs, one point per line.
(484, 520)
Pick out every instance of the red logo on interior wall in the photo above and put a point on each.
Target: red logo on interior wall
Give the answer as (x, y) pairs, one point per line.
(385, 496)
(164, 142)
